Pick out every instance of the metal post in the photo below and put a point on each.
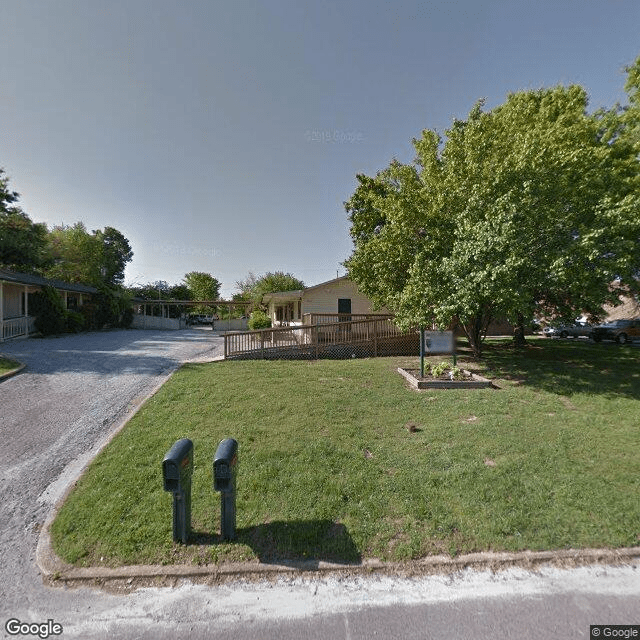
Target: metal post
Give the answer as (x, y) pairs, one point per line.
(422, 352)
(228, 513)
(181, 516)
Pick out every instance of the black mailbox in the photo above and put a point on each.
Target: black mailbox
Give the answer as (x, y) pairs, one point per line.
(177, 469)
(225, 463)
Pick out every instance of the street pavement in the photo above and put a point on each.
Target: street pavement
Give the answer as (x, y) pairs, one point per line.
(76, 391)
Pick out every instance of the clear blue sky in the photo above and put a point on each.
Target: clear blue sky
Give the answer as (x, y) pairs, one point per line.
(225, 136)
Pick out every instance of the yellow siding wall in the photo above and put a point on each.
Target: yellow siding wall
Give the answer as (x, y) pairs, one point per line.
(324, 298)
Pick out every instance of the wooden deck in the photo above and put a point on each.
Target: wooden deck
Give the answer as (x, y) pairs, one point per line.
(348, 339)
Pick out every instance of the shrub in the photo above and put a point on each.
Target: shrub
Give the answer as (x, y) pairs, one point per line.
(259, 320)
(49, 310)
(107, 311)
(126, 318)
(74, 321)
(88, 312)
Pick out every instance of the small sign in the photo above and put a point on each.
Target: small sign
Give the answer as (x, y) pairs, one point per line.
(438, 342)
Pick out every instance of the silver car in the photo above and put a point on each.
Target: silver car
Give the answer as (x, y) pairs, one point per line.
(575, 330)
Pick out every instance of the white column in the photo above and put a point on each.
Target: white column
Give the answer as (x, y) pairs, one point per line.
(26, 309)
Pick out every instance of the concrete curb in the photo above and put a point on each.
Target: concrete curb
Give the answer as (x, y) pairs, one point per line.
(13, 372)
(57, 572)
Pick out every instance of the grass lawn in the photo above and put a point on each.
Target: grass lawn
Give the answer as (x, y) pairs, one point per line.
(7, 365)
(328, 468)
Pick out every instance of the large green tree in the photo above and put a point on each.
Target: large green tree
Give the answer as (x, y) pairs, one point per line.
(23, 243)
(116, 254)
(97, 258)
(77, 255)
(202, 286)
(254, 287)
(526, 208)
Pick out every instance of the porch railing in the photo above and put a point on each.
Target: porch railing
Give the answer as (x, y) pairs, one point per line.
(16, 327)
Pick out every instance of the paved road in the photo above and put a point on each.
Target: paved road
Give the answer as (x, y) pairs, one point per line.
(76, 389)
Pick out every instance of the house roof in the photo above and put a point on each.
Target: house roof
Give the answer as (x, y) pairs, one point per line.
(15, 277)
(297, 293)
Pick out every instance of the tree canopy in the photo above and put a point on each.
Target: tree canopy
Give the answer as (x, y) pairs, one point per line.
(253, 288)
(202, 286)
(528, 208)
(23, 243)
(97, 258)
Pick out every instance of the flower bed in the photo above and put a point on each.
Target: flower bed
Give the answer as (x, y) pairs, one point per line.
(449, 378)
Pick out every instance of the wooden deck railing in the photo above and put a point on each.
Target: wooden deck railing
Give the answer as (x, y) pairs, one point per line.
(330, 318)
(317, 340)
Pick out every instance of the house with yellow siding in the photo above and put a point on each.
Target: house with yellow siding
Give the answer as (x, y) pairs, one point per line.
(325, 302)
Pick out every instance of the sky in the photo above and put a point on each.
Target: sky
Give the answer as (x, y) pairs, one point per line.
(225, 137)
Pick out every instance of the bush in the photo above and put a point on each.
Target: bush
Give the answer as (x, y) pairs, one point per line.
(126, 318)
(49, 310)
(107, 311)
(113, 308)
(259, 320)
(88, 312)
(74, 321)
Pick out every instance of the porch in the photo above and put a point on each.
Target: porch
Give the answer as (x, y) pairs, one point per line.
(16, 290)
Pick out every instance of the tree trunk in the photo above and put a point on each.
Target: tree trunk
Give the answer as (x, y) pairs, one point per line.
(518, 333)
(473, 331)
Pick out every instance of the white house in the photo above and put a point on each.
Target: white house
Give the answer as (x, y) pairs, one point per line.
(15, 289)
(324, 302)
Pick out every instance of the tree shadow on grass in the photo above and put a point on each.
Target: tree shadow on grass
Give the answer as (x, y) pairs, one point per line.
(566, 367)
(307, 542)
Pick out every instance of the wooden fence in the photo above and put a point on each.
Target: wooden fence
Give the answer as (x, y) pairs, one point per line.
(357, 338)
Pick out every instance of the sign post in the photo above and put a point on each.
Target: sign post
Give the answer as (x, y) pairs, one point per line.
(436, 343)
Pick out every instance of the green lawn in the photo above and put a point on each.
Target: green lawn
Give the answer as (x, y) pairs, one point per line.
(7, 365)
(329, 470)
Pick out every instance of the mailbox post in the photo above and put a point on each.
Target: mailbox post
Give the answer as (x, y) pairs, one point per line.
(177, 469)
(224, 480)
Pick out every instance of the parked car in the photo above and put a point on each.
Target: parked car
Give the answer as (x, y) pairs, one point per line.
(196, 318)
(619, 330)
(575, 330)
(571, 330)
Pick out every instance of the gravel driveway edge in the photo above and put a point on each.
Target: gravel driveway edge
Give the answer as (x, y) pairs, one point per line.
(48, 561)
